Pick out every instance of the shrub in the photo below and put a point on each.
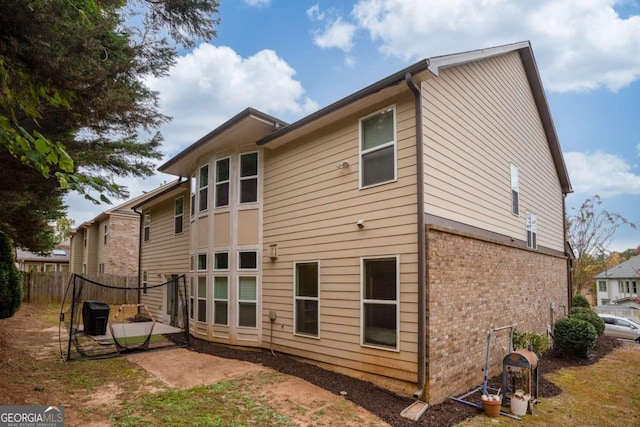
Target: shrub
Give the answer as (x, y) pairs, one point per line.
(538, 342)
(580, 300)
(10, 280)
(590, 316)
(574, 336)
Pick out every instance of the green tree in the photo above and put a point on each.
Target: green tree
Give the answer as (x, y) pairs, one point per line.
(62, 228)
(73, 102)
(590, 231)
(10, 280)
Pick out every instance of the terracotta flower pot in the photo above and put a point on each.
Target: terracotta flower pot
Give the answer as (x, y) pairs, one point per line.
(491, 407)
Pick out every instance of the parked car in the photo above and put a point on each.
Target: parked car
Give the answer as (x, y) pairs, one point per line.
(620, 327)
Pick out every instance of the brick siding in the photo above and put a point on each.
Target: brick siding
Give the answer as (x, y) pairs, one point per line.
(474, 285)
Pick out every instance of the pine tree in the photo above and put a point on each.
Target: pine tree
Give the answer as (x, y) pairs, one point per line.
(10, 280)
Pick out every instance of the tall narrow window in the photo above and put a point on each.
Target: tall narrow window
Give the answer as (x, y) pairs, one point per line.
(105, 234)
(192, 184)
(145, 282)
(380, 302)
(247, 301)
(147, 226)
(203, 188)
(178, 215)
(220, 300)
(378, 148)
(222, 183)
(532, 230)
(192, 296)
(306, 298)
(515, 204)
(202, 299)
(202, 262)
(249, 178)
(85, 238)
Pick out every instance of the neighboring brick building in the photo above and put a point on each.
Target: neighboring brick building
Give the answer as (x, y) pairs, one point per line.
(110, 242)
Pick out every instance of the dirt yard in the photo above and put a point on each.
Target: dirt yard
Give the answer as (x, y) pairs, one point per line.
(33, 373)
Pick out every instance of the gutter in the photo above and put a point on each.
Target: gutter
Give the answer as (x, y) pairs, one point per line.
(422, 240)
(140, 229)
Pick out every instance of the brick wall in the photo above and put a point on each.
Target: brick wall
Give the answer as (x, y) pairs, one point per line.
(124, 241)
(474, 285)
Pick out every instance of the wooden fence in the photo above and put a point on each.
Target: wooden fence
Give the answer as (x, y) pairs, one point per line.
(51, 286)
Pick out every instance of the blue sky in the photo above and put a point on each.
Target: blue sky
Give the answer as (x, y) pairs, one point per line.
(289, 58)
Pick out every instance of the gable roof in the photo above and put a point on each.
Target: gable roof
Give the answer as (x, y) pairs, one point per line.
(248, 124)
(434, 65)
(629, 269)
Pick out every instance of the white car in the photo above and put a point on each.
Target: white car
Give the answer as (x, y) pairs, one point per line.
(620, 327)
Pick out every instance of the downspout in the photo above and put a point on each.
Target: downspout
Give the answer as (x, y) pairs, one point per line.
(422, 244)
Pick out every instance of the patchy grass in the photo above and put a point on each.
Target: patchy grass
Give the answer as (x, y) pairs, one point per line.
(605, 393)
(221, 404)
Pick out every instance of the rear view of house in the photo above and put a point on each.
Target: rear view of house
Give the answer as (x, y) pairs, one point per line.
(385, 234)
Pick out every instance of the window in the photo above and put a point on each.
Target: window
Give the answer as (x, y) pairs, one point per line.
(101, 268)
(628, 289)
(145, 282)
(306, 298)
(602, 286)
(85, 238)
(203, 188)
(202, 299)
(147, 226)
(105, 234)
(191, 263)
(220, 300)
(193, 195)
(532, 230)
(222, 183)
(249, 178)
(192, 295)
(248, 260)
(221, 261)
(178, 215)
(49, 267)
(202, 262)
(515, 207)
(620, 287)
(378, 148)
(380, 302)
(634, 287)
(247, 301)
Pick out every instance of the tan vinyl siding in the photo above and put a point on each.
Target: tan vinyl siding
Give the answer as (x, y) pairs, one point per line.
(478, 119)
(165, 254)
(310, 211)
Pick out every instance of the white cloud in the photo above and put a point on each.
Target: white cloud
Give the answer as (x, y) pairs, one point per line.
(337, 34)
(212, 84)
(600, 173)
(258, 3)
(314, 13)
(579, 45)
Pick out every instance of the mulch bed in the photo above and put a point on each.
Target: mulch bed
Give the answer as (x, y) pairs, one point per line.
(384, 403)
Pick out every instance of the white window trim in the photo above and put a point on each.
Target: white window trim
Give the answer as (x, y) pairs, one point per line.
(238, 301)
(192, 196)
(192, 298)
(228, 260)
(206, 260)
(214, 299)
(257, 259)
(531, 221)
(145, 282)
(176, 215)
(363, 301)
(243, 178)
(204, 187)
(199, 298)
(515, 187)
(296, 298)
(393, 143)
(146, 226)
(216, 182)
